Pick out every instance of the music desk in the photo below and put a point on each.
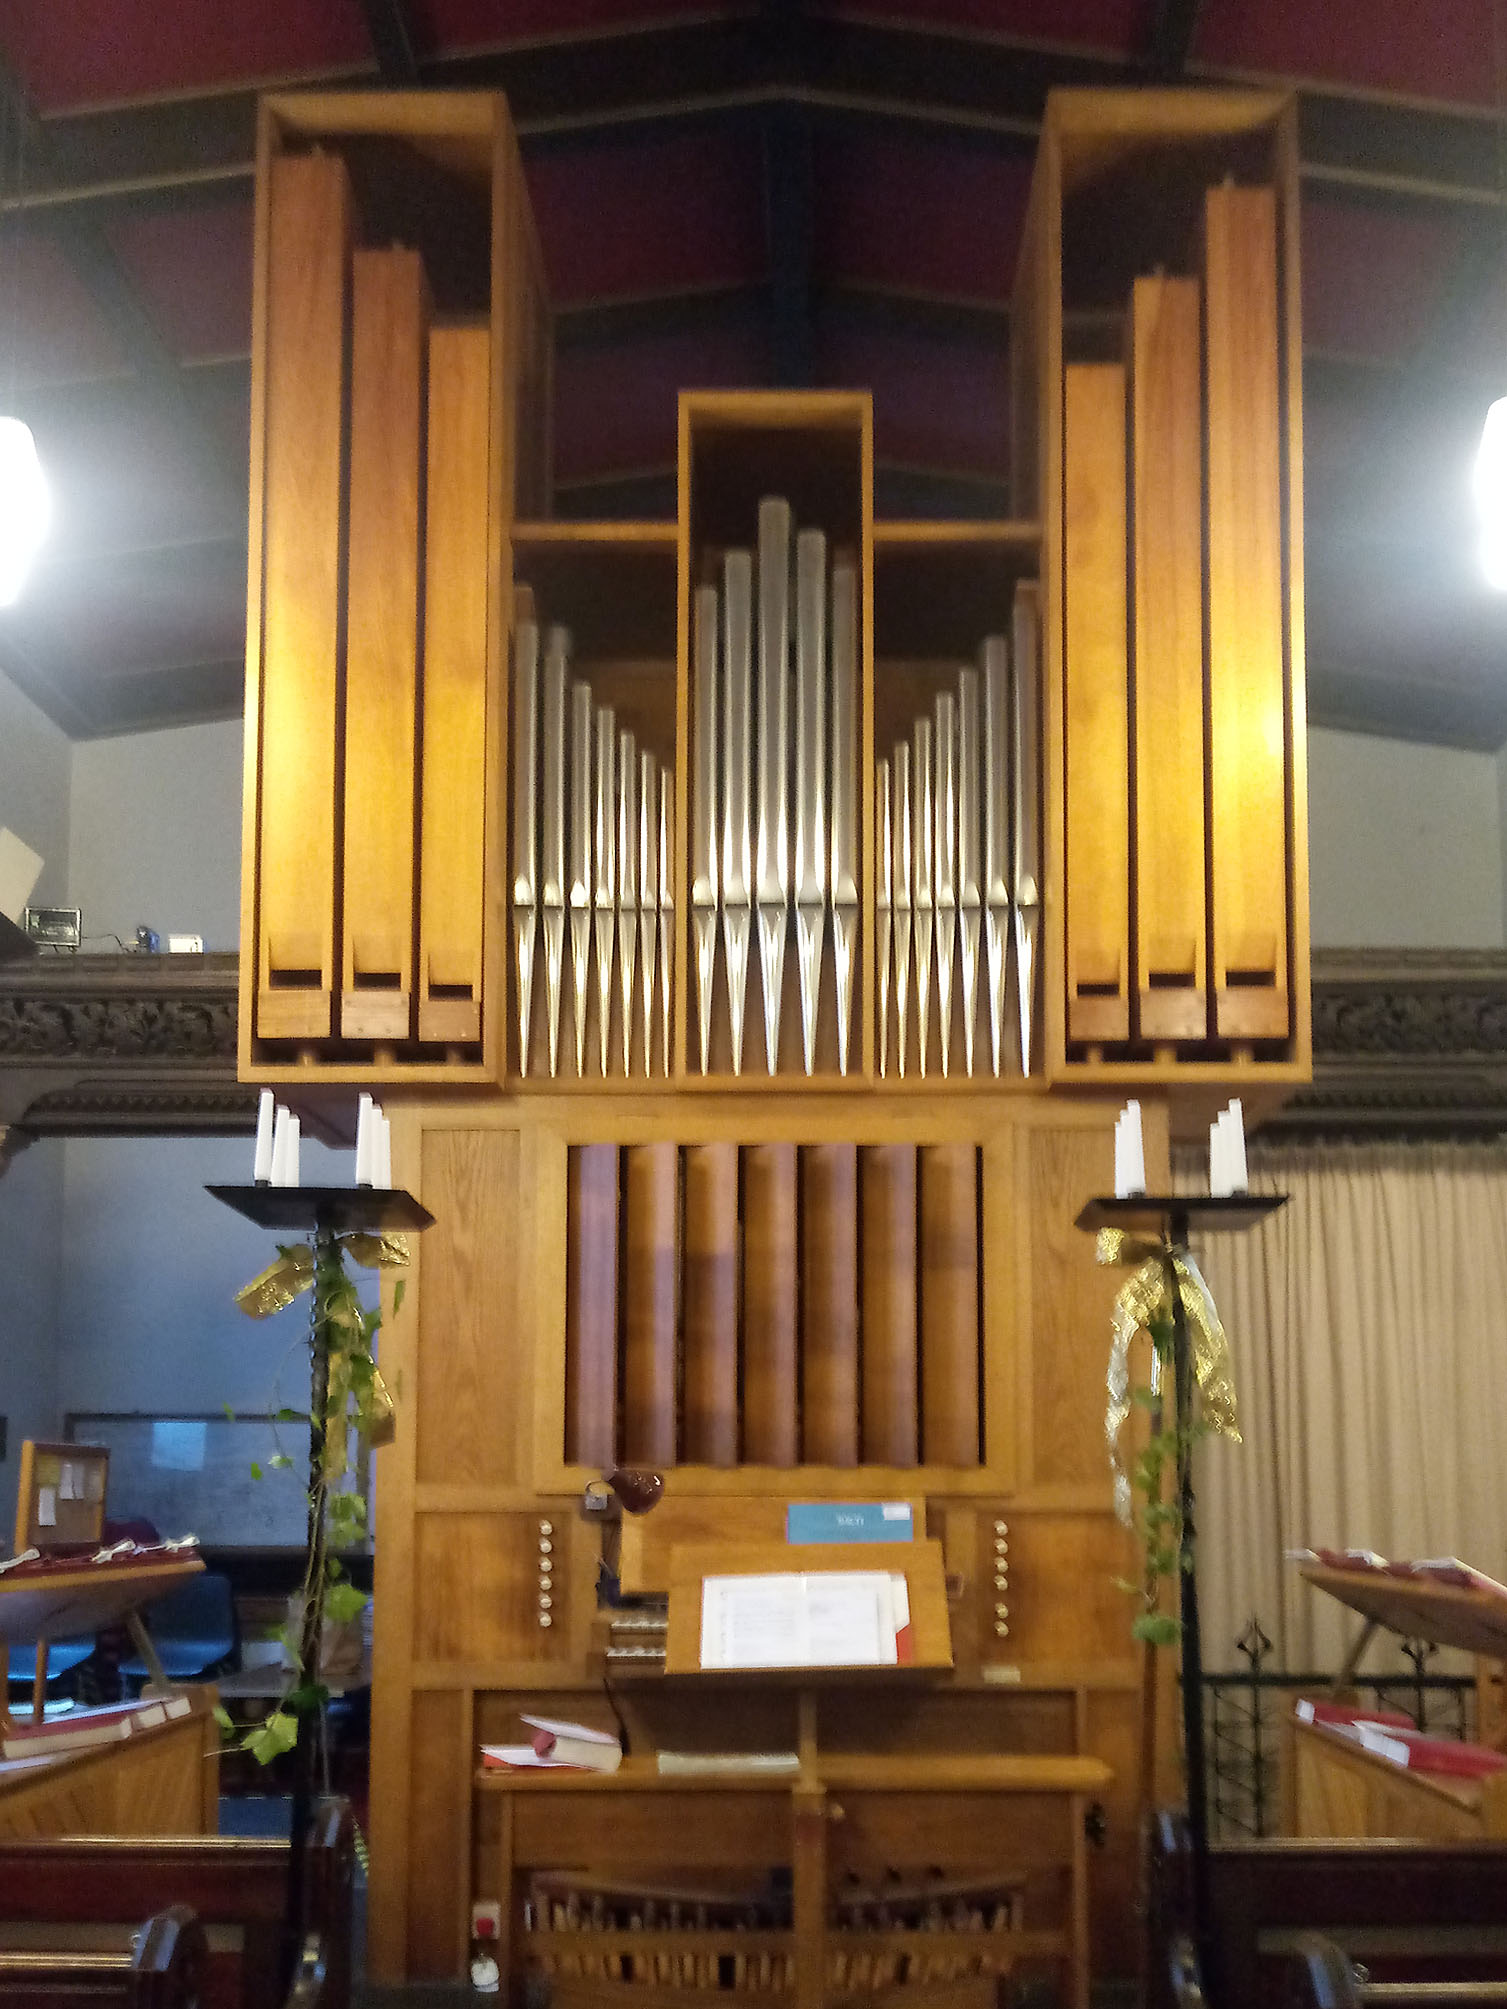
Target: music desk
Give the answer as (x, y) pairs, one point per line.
(838, 1814)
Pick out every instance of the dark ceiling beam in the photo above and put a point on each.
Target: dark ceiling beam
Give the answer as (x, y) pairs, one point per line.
(1174, 23)
(83, 240)
(391, 35)
(715, 67)
(789, 197)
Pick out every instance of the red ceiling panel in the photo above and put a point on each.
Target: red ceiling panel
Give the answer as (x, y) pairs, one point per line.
(480, 24)
(1372, 278)
(937, 403)
(919, 214)
(1118, 26)
(616, 408)
(77, 52)
(50, 329)
(193, 269)
(657, 216)
(1423, 48)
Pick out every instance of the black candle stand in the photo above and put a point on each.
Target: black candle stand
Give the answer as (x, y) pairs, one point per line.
(1170, 1218)
(322, 1212)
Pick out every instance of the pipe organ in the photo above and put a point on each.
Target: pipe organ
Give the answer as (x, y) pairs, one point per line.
(723, 905)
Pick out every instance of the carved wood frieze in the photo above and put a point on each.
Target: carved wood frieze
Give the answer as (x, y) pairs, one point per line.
(127, 1045)
(1406, 1043)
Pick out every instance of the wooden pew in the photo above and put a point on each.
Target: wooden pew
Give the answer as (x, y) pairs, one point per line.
(1410, 1910)
(1325, 1979)
(92, 1885)
(162, 1968)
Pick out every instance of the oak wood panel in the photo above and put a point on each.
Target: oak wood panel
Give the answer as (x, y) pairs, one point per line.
(888, 1197)
(1064, 1601)
(157, 1782)
(711, 1304)
(616, 1830)
(829, 1304)
(1112, 1732)
(1096, 704)
(476, 1588)
(591, 1322)
(453, 819)
(309, 203)
(1067, 1314)
(949, 1267)
(466, 1405)
(1341, 1790)
(1167, 639)
(770, 1285)
(651, 1272)
(438, 1835)
(1247, 685)
(984, 1832)
(389, 317)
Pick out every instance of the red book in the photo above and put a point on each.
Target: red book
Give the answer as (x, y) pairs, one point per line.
(1443, 1755)
(1345, 1715)
(81, 1729)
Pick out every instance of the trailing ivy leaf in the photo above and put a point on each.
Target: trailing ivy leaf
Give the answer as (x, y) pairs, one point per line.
(256, 1470)
(399, 1290)
(229, 1412)
(280, 1461)
(225, 1720)
(291, 1416)
(307, 1699)
(278, 1734)
(1155, 1629)
(343, 1602)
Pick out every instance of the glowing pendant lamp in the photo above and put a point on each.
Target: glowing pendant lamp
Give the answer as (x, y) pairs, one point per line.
(25, 507)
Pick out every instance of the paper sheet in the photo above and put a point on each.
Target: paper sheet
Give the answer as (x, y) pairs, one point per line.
(827, 1619)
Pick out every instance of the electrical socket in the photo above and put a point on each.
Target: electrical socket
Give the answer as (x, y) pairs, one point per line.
(486, 1919)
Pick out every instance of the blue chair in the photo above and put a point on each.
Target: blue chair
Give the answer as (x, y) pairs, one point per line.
(63, 1655)
(193, 1629)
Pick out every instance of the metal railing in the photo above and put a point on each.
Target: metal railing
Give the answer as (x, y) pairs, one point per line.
(1244, 1713)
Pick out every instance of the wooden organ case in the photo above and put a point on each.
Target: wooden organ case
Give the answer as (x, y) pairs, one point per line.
(724, 1005)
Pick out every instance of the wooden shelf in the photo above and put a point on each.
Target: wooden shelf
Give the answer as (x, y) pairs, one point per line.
(968, 534)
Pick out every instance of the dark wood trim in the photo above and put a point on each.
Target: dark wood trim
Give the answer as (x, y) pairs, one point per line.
(1408, 1044)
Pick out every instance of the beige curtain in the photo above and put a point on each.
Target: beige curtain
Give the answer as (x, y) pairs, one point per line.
(1368, 1321)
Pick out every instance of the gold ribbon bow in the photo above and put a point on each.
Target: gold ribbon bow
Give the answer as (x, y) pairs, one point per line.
(1145, 1299)
(293, 1273)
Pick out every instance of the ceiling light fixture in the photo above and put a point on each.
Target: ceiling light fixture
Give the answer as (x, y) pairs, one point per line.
(25, 502)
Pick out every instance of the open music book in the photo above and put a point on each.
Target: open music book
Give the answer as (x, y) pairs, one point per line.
(829, 1618)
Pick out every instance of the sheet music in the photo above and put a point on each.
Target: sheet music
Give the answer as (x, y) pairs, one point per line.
(833, 1618)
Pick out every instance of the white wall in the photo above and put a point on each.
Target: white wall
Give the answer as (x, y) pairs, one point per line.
(34, 787)
(156, 833)
(1405, 845)
(34, 768)
(153, 1263)
(31, 1252)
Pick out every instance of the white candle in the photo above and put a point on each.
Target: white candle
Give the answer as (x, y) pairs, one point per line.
(1135, 1149)
(364, 1142)
(294, 1127)
(383, 1172)
(1239, 1179)
(279, 1173)
(261, 1170)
